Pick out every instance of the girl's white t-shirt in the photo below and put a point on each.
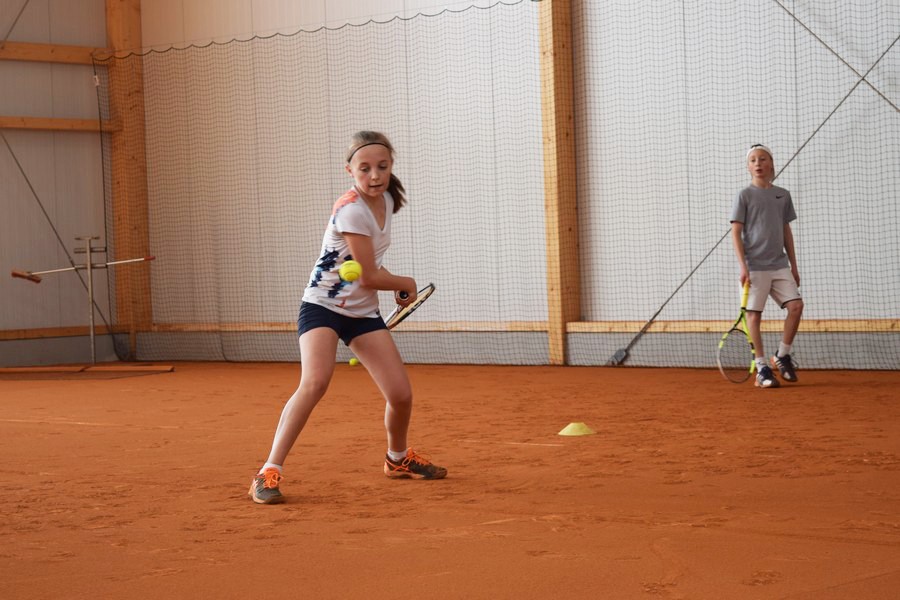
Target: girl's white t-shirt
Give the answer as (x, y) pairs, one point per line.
(350, 214)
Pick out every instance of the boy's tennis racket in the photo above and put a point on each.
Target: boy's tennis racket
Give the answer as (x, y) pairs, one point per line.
(736, 352)
(401, 312)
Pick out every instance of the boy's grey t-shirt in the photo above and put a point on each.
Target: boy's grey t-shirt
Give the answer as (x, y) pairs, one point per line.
(764, 213)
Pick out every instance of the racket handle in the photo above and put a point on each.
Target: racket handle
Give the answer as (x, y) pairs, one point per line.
(27, 275)
(404, 295)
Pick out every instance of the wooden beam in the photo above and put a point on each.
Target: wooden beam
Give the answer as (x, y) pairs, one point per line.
(123, 25)
(850, 326)
(130, 213)
(55, 332)
(717, 327)
(807, 326)
(50, 124)
(474, 326)
(49, 53)
(101, 368)
(222, 327)
(599, 327)
(557, 102)
(427, 326)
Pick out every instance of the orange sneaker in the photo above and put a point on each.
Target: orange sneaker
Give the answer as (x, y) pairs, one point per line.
(264, 487)
(413, 466)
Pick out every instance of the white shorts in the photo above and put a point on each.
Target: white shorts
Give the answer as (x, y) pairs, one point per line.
(779, 284)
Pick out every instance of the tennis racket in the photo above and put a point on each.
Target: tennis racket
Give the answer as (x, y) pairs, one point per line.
(736, 352)
(401, 312)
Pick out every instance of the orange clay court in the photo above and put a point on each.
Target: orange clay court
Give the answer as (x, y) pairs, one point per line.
(133, 485)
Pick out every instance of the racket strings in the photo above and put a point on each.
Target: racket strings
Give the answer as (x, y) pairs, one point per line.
(735, 356)
(735, 351)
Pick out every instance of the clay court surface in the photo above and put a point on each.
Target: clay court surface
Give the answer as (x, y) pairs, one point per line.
(133, 485)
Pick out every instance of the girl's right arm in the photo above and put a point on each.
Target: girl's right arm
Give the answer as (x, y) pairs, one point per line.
(404, 296)
(379, 279)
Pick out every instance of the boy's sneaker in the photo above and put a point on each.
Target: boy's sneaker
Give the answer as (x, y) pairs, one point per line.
(765, 378)
(786, 366)
(413, 466)
(264, 487)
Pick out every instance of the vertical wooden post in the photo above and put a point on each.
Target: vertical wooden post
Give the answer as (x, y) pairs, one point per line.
(130, 219)
(557, 101)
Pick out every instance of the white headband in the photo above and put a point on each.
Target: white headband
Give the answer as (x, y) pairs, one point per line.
(759, 147)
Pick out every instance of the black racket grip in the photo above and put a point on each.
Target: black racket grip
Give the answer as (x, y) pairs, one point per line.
(404, 295)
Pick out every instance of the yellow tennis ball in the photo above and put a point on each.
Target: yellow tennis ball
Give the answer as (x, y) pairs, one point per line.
(350, 270)
(354, 361)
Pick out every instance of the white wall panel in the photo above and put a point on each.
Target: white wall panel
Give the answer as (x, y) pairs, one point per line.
(73, 95)
(65, 171)
(162, 23)
(79, 212)
(77, 23)
(25, 89)
(30, 89)
(286, 16)
(338, 12)
(217, 20)
(33, 25)
(412, 8)
(179, 23)
(64, 168)
(81, 23)
(27, 240)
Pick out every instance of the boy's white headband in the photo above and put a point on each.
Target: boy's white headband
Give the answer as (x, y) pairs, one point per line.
(759, 147)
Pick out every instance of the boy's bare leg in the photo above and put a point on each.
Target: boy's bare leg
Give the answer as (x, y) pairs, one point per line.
(782, 359)
(754, 318)
(791, 321)
(764, 376)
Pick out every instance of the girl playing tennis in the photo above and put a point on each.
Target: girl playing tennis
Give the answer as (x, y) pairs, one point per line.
(333, 309)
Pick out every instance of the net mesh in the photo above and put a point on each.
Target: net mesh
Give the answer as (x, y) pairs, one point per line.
(244, 147)
(672, 96)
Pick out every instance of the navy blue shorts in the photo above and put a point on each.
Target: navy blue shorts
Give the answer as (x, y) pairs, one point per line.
(347, 328)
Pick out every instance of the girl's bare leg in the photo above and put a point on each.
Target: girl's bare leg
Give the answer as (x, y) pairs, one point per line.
(378, 353)
(317, 350)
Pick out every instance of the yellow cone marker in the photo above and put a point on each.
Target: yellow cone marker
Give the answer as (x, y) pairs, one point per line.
(576, 429)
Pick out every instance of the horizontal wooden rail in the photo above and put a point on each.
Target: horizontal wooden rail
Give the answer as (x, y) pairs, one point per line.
(55, 332)
(50, 53)
(810, 326)
(52, 124)
(222, 327)
(658, 326)
(432, 326)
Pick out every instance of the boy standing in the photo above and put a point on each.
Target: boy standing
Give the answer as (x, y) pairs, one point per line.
(764, 245)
